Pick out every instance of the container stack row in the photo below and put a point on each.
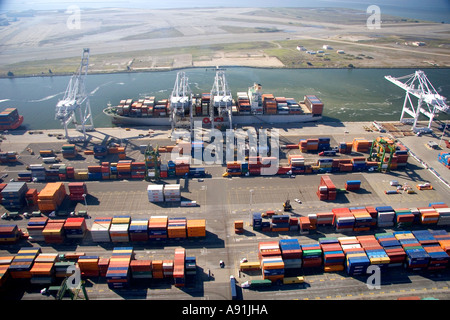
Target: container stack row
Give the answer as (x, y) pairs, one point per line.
(8, 157)
(354, 219)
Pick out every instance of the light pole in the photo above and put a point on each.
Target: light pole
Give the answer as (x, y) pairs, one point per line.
(443, 132)
(251, 202)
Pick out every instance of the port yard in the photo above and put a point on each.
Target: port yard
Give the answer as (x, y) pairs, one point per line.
(223, 200)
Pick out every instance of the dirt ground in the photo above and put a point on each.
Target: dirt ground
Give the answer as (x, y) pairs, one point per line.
(121, 39)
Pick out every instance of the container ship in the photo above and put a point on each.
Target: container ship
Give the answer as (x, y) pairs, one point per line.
(218, 108)
(10, 119)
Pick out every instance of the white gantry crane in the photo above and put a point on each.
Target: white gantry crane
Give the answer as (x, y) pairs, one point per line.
(76, 101)
(181, 102)
(430, 103)
(221, 99)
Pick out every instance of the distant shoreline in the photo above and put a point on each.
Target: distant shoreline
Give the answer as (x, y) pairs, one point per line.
(56, 74)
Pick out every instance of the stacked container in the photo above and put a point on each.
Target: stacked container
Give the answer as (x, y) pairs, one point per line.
(196, 228)
(352, 185)
(392, 247)
(324, 218)
(374, 251)
(343, 219)
(138, 170)
(176, 228)
(439, 259)
(69, 151)
(9, 234)
(43, 270)
(357, 262)
(54, 231)
(141, 269)
(157, 269)
(333, 255)
(401, 154)
(89, 266)
(386, 215)
(325, 164)
(155, 193)
(76, 190)
(124, 169)
(100, 151)
(94, 173)
(75, 228)
(190, 266)
(172, 192)
(269, 104)
(157, 227)
(359, 164)
(105, 170)
(234, 168)
(8, 157)
(256, 220)
(291, 253)
(361, 145)
(103, 264)
(138, 230)
(22, 263)
(314, 104)
(349, 244)
(444, 216)
(428, 216)
(35, 228)
(239, 226)
(312, 255)
(403, 218)
(363, 219)
(280, 223)
(119, 229)
(118, 274)
(425, 238)
(51, 197)
(24, 176)
(254, 165)
(179, 267)
(271, 261)
(13, 195)
(100, 229)
(304, 224)
(31, 197)
(243, 103)
(327, 189)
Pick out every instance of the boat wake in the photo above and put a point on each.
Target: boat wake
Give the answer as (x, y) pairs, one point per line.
(4, 100)
(47, 98)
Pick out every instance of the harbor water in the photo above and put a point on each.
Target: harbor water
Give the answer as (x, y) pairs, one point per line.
(348, 94)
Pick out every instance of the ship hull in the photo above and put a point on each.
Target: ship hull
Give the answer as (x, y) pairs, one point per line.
(238, 119)
(14, 125)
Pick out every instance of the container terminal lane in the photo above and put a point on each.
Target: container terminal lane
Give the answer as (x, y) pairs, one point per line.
(223, 200)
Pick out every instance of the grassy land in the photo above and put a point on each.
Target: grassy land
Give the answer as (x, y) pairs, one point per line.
(355, 56)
